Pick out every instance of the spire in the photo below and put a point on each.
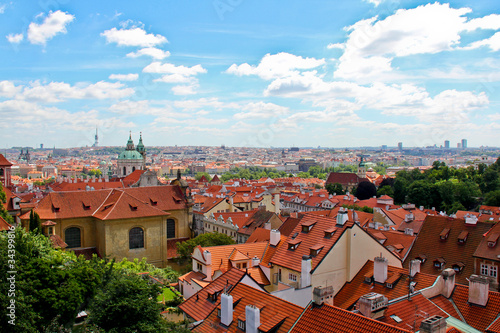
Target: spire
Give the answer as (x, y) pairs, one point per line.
(140, 145)
(130, 143)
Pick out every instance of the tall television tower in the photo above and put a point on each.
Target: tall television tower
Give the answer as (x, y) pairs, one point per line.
(96, 143)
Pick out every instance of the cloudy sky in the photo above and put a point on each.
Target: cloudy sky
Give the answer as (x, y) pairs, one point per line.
(250, 73)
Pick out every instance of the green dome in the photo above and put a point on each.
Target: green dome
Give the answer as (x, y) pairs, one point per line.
(130, 155)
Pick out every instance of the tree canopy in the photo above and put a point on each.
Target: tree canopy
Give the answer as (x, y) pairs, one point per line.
(186, 248)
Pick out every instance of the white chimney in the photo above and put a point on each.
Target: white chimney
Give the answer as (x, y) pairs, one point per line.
(342, 216)
(255, 261)
(372, 305)
(434, 324)
(231, 204)
(252, 316)
(226, 309)
(208, 261)
(277, 204)
(323, 295)
(275, 237)
(305, 273)
(414, 267)
(478, 290)
(449, 282)
(421, 207)
(380, 269)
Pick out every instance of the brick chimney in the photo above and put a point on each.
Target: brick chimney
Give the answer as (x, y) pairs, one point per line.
(372, 305)
(478, 290)
(305, 274)
(342, 216)
(226, 309)
(323, 295)
(275, 237)
(252, 316)
(434, 324)
(380, 269)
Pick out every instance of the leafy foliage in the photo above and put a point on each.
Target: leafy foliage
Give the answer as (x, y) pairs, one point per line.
(366, 190)
(3, 212)
(335, 188)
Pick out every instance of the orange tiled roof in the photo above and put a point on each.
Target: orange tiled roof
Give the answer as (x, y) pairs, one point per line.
(4, 225)
(292, 258)
(328, 318)
(429, 243)
(221, 255)
(411, 312)
(396, 241)
(275, 314)
(199, 305)
(352, 291)
(4, 161)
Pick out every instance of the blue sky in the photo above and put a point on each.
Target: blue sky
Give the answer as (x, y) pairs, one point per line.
(250, 73)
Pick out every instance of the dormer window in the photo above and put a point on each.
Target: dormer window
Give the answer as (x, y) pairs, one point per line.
(154, 202)
(293, 244)
(330, 232)
(444, 234)
(55, 208)
(422, 258)
(315, 250)
(307, 226)
(369, 277)
(462, 238)
(86, 205)
(439, 262)
(241, 325)
(133, 207)
(458, 266)
(493, 240)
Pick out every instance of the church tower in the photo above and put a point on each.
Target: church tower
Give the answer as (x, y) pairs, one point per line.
(362, 168)
(142, 150)
(130, 160)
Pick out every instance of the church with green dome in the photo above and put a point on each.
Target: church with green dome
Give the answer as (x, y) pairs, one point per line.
(132, 158)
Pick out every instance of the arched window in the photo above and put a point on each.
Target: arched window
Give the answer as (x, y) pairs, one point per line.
(136, 238)
(170, 228)
(124, 171)
(133, 169)
(73, 237)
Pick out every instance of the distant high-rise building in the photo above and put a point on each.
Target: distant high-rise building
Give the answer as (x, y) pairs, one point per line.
(384, 147)
(41, 145)
(459, 145)
(447, 144)
(400, 145)
(464, 143)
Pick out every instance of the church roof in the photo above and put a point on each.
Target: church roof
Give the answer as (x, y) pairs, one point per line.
(130, 155)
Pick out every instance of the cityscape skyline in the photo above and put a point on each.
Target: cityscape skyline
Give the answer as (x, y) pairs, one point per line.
(250, 74)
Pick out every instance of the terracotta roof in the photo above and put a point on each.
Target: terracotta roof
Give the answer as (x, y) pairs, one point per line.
(328, 318)
(199, 305)
(476, 316)
(429, 243)
(57, 242)
(494, 327)
(4, 161)
(445, 305)
(81, 186)
(395, 241)
(353, 290)
(488, 252)
(192, 275)
(344, 178)
(259, 235)
(210, 203)
(275, 314)
(4, 225)
(221, 255)
(411, 312)
(248, 221)
(316, 235)
(288, 226)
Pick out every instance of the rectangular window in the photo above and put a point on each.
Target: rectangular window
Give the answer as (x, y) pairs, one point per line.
(170, 228)
(241, 324)
(484, 269)
(199, 267)
(279, 274)
(493, 271)
(292, 277)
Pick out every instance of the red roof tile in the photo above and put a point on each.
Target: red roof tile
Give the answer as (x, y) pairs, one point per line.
(4, 225)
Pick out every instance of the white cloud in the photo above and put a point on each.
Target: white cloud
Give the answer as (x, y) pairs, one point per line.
(374, 2)
(276, 66)
(336, 46)
(133, 37)
(8, 89)
(185, 90)
(200, 103)
(176, 78)
(59, 91)
(55, 23)
(261, 110)
(151, 52)
(158, 67)
(124, 77)
(493, 43)
(2, 8)
(491, 22)
(15, 38)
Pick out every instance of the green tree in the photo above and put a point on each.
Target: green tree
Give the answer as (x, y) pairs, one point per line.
(366, 190)
(127, 304)
(492, 198)
(335, 188)
(35, 223)
(3, 212)
(186, 248)
(385, 190)
(419, 193)
(201, 174)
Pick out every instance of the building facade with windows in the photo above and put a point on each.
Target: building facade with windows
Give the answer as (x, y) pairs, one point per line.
(120, 223)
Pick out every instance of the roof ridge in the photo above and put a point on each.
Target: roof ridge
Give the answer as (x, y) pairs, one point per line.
(102, 203)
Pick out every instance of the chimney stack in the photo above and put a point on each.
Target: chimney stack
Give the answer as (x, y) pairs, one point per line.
(380, 269)
(208, 261)
(342, 216)
(277, 204)
(252, 316)
(478, 290)
(275, 237)
(255, 261)
(449, 282)
(305, 274)
(323, 295)
(414, 267)
(372, 305)
(226, 309)
(434, 324)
